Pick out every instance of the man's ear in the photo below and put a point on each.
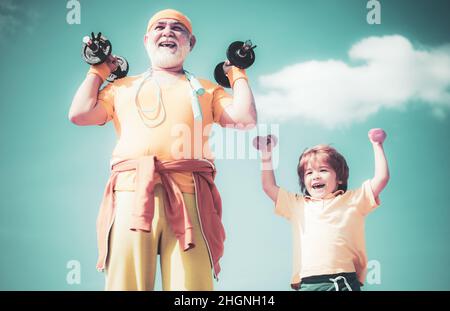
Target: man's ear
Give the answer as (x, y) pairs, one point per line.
(145, 39)
(192, 41)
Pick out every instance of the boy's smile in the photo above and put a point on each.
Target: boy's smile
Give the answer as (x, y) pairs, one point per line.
(320, 178)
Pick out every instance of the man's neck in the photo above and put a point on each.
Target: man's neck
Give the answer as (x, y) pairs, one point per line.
(167, 75)
(172, 71)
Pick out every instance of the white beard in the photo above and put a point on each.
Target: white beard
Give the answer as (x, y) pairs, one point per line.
(163, 58)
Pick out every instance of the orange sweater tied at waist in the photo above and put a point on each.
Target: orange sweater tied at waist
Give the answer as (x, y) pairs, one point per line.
(209, 204)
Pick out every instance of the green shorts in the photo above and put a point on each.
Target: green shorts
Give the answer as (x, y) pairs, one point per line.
(331, 282)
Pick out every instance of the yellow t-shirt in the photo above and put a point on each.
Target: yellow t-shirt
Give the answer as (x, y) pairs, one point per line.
(178, 136)
(328, 234)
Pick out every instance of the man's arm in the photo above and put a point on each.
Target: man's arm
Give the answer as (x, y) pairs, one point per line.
(84, 109)
(241, 113)
(381, 175)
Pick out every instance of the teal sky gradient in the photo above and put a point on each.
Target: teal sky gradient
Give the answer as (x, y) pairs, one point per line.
(55, 172)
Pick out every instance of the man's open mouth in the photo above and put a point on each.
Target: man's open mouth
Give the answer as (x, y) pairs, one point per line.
(168, 44)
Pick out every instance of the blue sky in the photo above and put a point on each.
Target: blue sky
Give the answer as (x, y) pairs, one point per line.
(322, 75)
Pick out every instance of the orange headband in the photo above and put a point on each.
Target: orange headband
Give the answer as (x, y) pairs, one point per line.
(173, 14)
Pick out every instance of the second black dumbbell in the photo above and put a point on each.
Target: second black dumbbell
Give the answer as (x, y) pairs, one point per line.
(241, 55)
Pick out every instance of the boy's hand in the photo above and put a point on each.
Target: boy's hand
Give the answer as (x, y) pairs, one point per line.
(377, 136)
(265, 144)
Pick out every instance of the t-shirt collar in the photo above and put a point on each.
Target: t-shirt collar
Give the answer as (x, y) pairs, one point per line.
(329, 196)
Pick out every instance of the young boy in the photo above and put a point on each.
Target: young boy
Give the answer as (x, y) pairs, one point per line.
(327, 220)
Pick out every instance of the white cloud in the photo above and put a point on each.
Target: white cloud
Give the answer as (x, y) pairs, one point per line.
(334, 93)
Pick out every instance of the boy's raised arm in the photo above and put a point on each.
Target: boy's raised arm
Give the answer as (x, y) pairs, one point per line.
(265, 145)
(381, 175)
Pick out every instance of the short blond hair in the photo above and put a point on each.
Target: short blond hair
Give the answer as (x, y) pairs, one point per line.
(332, 157)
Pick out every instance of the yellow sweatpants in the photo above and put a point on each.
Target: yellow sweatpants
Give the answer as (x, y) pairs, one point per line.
(131, 262)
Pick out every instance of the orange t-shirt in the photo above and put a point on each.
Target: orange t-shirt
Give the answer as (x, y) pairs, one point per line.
(177, 136)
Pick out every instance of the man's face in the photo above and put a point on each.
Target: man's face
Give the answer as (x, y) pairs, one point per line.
(167, 43)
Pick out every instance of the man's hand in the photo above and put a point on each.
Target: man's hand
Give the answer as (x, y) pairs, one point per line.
(227, 66)
(377, 136)
(112, 62)
(104, 70)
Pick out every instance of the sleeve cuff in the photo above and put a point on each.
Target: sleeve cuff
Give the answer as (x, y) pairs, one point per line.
(374, 201)
(281, 208)
(220, 110)
(235, 74)
(363, 199)
(102, 70)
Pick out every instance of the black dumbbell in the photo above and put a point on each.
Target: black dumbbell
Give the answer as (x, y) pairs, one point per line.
(241, 55)
(96, 49)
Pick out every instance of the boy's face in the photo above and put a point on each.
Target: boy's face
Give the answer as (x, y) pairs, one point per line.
(320, 178)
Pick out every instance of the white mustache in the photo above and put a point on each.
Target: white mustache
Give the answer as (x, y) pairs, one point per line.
(165, 58)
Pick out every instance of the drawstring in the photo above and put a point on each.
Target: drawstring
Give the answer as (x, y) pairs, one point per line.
(335, 282)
